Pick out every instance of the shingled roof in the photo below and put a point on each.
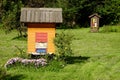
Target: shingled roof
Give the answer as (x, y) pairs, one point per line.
(41, 15)
(95, 14)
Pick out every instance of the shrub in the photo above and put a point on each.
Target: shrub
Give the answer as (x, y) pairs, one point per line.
(63, 42)
(111, 29)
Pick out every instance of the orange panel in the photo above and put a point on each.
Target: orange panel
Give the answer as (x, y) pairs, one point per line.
(45, 28)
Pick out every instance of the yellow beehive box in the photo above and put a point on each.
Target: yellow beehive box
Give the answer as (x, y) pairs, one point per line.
(41, 23)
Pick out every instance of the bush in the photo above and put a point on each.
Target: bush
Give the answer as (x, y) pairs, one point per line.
(111, 29)
(63, 42)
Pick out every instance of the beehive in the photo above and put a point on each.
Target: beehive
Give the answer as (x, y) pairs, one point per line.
(41, 23)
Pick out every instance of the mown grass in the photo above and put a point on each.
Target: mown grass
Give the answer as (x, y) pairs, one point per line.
(96, 57)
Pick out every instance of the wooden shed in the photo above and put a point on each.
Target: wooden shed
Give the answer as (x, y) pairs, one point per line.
(94, 22)
(41, 23)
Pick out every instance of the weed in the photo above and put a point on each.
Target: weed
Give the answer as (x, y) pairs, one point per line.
(22, 54)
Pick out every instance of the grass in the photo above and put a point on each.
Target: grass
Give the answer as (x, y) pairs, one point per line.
(96, 57)
(112, 28)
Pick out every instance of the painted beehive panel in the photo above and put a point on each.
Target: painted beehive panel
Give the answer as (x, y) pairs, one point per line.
(41, 37)
(45, 34)
(41, 45)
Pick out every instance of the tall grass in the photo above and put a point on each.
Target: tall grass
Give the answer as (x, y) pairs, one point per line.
(96, 57)
(111, 28)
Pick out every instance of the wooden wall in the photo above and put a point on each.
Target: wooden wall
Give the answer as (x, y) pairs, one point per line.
(48, 28)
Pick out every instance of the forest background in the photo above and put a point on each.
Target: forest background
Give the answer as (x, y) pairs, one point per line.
(75, 12)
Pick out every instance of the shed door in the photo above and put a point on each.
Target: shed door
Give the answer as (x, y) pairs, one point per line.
(94, 22)
(41, 43)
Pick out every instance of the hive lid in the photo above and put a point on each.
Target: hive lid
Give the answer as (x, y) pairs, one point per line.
(41, 15)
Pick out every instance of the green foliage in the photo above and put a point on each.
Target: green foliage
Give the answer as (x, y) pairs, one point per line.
(110, 29)
(75, 12)
(3, 73)
(1, 26)
(9, 21)
(34, 3)
(0, 10)
(63, 43)
(22, 53)
(109, 10)
(11, 15)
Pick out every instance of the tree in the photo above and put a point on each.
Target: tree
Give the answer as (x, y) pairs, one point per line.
(75, 12)
(0, 10)
(33, 3)
(11, 15)
(110, 10)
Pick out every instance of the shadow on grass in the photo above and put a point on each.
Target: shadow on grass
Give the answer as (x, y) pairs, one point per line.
(20, 38)
(76, 59)
(14, 77)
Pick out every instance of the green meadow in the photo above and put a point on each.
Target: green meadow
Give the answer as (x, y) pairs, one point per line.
(96, 57)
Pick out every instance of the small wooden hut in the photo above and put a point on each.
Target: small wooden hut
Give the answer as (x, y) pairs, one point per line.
(94, 22)
(41, 23)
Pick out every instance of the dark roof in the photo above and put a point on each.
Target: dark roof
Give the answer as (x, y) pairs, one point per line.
(41, 15)
(95, 14)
